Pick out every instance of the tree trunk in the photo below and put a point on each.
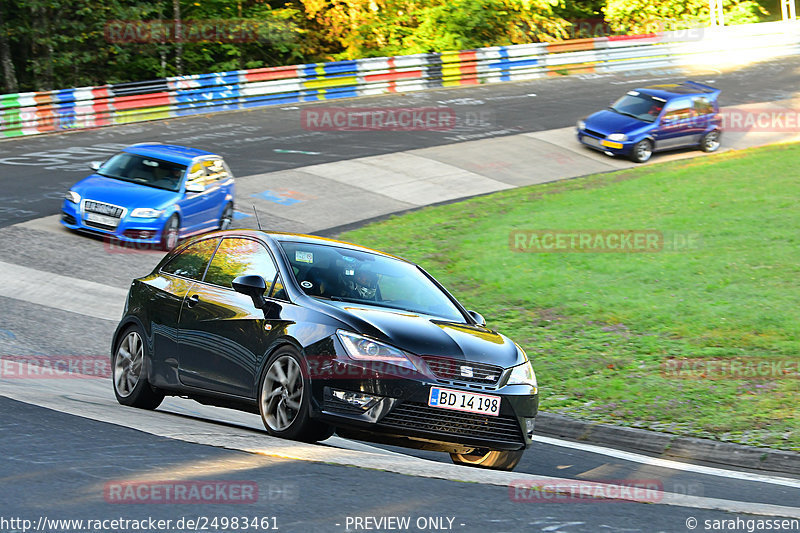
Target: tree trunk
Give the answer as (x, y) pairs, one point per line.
(176, 9)
(10, 84)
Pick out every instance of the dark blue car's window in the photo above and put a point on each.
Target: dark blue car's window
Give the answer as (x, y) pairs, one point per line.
(342, 274)
(639, 106)
(191, 262)
(144, 170)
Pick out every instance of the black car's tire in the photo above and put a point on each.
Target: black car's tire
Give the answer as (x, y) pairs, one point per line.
(129, 372)
(284, 399)
(642, 151)
(171, 232)
(226, 217)
(494, 459)
(710, 142)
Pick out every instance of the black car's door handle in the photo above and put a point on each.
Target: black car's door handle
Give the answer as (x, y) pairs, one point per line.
(192, 300)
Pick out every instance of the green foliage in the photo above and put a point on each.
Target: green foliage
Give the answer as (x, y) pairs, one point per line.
(643, 16)
(600, 326)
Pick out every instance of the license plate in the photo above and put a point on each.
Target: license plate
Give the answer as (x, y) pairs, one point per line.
(464, 401)
(102, 219)
(612, 144)
(591, 141)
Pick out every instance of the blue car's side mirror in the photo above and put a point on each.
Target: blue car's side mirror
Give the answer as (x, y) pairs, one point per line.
(95, 165)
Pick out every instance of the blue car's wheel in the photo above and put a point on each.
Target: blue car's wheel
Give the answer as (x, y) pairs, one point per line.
(642, 151)
(227, 217)
(170, 233)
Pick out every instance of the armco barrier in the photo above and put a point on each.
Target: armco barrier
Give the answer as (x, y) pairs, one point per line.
(123, 103)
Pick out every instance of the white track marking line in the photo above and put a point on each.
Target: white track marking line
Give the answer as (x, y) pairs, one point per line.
(669, 464)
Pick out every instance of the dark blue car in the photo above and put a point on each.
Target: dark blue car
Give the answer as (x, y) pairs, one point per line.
(656, 118)
(152, 194)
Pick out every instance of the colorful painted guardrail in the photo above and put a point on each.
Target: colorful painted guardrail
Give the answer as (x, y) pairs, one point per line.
(90, 107)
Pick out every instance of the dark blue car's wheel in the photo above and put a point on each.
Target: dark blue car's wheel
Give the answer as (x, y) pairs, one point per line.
(227, 217)
(710, 141)
(170, 233)
(642, 151)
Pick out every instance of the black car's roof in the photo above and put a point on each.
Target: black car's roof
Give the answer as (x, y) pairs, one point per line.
(278, 236)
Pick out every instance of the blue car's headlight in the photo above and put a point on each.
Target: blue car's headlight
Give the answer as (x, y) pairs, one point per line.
(73, 197)
(581, 125)
(619, 137)
(146, 212)
(363, 348)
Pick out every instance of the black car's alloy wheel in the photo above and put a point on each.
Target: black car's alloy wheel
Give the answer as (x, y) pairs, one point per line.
(494, 459)
(642, 151)
(283, 400)
(130, 377)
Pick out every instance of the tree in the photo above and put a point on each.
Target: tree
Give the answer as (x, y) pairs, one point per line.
(9, 72)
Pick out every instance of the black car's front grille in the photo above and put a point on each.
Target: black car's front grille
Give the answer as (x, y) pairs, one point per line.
(454, 370)
(102, 208)
(449, 423)
(594, 133)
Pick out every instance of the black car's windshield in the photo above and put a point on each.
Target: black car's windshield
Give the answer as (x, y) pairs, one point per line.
(144, 170)
(341, 274)
(639, 106)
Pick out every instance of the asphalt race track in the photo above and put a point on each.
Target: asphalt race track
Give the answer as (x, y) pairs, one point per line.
(65, 440)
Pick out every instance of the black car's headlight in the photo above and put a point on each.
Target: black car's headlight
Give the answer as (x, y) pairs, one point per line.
(523, 374)
(73, 197)
(363, 348)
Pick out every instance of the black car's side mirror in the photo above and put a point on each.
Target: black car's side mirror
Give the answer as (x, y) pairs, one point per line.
(253, 286)
(95, 165)
(477, 317)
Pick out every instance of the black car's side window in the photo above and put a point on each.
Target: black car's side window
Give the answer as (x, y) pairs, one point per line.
(239, 256)
(192, 261)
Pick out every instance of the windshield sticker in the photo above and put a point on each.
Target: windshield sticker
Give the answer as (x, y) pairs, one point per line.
(306, 284)
(303, 257)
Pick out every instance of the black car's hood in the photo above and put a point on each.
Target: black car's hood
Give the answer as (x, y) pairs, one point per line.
(426, 335)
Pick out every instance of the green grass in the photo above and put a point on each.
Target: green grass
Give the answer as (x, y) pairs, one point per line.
(599, 326)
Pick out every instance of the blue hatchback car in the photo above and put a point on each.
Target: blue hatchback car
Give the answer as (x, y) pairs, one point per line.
(152, 194)
(656, 118)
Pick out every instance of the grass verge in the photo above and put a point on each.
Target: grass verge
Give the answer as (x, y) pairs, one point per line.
(600, 327)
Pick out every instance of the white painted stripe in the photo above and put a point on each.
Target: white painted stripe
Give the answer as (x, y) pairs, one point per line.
(61, 292)
(672, 465)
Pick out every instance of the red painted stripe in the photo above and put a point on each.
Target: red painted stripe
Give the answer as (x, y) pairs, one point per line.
(468, 67)
(271, 73)
(394, 76)
(141, 100)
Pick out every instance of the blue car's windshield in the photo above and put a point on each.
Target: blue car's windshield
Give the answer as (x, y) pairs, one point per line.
(144, 170)
(639, 106)
(342, 274)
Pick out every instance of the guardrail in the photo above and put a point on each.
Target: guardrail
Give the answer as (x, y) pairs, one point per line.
(678, 51)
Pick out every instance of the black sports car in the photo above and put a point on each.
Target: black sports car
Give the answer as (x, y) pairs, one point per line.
(318, 335)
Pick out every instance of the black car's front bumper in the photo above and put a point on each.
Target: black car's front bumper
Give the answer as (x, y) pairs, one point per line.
(401, 414)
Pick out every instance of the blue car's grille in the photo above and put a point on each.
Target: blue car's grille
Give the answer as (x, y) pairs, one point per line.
(102, 208)
(594, 133)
